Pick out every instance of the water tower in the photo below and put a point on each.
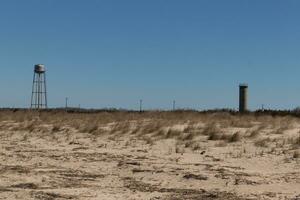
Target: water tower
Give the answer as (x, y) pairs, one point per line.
(243, 107)
(39, 89)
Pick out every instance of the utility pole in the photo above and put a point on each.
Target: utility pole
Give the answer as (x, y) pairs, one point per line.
(141, 105)
(174, 105)
(67, 99)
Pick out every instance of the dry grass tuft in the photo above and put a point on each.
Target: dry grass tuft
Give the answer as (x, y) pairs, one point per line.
(296, 154)
(189, 129)
(187, 136)
(121, 128)
(89, 128)
(215, 136)
(196, 147)
(136, 129)
(235, 137)
(280, 131)
(210, 129)
(179, 149)
(188, 144)
(24, 138)
(56, 128)
(30, 127)
(160, 133)
(262, 142)
(241, 123)
(152, 127)
(256, 132)
(172, 133)
(148, 140)
(221, 144)
(225, 137)
(297, 141)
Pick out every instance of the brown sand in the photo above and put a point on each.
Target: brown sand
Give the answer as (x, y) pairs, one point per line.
(43, 163)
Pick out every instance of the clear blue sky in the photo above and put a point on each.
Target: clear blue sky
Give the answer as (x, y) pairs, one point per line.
(111, 53)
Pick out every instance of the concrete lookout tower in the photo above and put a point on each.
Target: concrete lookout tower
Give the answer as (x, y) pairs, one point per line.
(243, 107)
(39, 89)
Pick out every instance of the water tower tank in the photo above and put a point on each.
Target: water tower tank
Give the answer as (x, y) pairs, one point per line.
(39, 68)
(39, 90)
(243, 97)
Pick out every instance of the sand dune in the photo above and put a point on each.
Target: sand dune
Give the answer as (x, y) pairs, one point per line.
(107, 156)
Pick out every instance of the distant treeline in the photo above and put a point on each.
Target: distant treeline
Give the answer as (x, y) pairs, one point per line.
(294, 112)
